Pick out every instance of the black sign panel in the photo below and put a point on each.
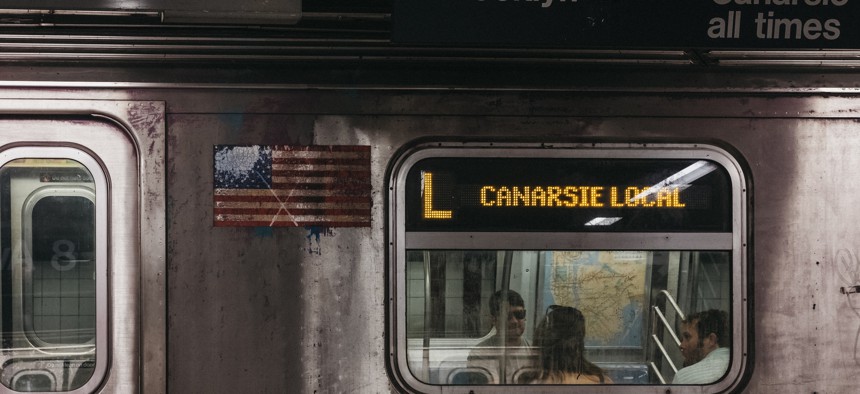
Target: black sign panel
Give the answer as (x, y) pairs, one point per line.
(669, 24)
(615, 195)
(178, 11)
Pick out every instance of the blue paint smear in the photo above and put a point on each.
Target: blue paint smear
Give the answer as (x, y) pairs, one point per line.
(314, 233)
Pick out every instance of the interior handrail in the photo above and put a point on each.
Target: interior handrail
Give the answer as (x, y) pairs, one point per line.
(668, 327)
(674, 304)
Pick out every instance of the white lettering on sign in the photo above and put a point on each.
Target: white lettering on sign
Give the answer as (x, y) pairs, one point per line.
(770, 25)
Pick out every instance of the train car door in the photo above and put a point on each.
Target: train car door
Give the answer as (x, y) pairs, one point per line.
(82, 240)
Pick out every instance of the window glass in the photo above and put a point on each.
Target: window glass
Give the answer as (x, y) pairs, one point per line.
(570, 317)
(49, 307)
(62, 276)
(561, 266)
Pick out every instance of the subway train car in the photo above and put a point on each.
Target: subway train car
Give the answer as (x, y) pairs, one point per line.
(429, 197)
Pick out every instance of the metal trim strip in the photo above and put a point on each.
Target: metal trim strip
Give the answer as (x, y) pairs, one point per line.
(568, 241)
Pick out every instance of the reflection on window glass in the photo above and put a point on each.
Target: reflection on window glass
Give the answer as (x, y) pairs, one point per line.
(568, 317)
(47, 229)
(63, 274)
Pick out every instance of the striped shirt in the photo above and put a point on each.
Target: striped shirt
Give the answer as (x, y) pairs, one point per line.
(707, 371)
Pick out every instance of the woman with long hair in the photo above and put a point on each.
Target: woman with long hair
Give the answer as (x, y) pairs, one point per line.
(560, 339)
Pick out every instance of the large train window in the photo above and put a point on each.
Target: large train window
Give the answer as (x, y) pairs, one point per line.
(593, 268)
(53, 215)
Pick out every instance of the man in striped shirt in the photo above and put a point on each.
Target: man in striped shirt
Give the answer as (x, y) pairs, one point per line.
(705, 342)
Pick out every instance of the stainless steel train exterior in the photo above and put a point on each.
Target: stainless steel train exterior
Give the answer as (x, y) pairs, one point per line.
(184, 305)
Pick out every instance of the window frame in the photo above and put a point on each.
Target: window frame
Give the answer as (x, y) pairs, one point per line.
(101, 240)
(30, 203)
(735, 242)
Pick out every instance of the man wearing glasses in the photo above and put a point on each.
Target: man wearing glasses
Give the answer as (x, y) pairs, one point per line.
(508, 315)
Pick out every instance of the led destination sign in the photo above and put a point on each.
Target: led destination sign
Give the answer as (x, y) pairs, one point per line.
(580, 196)
(473, 194)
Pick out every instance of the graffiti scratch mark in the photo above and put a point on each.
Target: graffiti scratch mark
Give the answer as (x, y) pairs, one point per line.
(848, 267)
(144, 116)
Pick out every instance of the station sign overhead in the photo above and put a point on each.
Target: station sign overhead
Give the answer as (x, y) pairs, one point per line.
(668, 24)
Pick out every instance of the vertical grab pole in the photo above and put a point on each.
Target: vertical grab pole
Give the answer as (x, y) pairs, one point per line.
(427, 319)
(502, 319)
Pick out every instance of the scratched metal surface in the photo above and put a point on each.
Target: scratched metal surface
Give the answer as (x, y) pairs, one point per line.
(303, 310)
(307, 306)
(335, 282)
(276, 309)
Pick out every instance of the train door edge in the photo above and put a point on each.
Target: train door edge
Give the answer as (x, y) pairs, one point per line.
(123, 142)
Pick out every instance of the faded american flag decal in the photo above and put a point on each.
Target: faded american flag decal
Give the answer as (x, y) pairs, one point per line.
(292, 186)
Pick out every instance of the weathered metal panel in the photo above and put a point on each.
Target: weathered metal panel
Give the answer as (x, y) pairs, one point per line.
(333, 279)
(295, 309)
(237, 316)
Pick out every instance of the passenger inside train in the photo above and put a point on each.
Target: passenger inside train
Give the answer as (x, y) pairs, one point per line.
(619, 309)
(560, 339)
(506, 344)
(705, 346)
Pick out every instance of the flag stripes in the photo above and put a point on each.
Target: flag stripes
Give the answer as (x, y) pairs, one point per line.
(292, 186)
